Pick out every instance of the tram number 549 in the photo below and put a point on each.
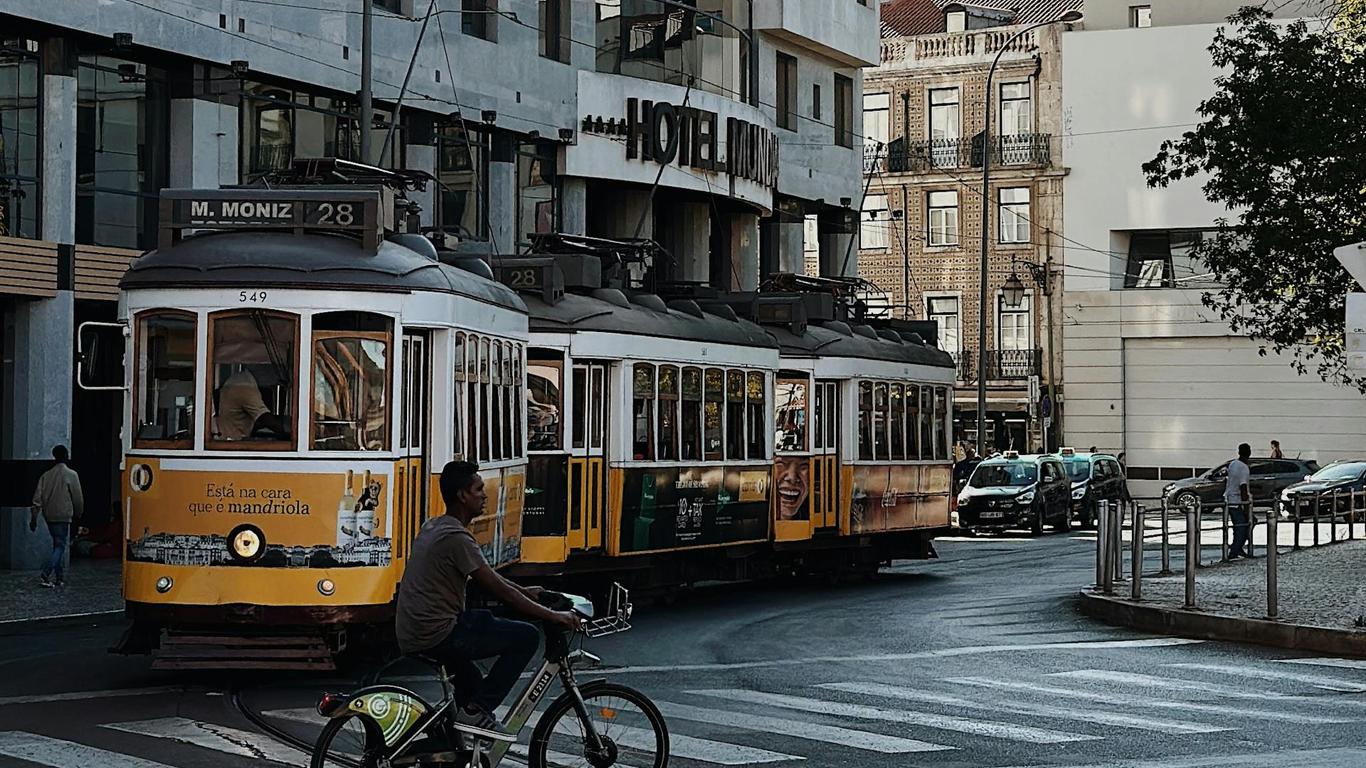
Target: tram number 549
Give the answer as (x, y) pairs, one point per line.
(251, 297)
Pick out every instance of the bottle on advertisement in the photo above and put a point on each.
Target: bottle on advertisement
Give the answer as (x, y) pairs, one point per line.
(346, 515)
(365, 511)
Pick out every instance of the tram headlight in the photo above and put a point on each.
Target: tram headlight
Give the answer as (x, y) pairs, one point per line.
(326, 587)
(164, 584)
(246, 543)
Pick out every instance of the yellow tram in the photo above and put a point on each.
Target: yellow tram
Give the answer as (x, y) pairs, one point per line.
(301, 371)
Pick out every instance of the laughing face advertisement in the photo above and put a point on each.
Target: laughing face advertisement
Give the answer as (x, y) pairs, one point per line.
(792, 488)
(676, 507)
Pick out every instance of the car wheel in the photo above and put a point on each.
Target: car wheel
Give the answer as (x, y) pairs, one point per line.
(1186, 500)
(1036, 521)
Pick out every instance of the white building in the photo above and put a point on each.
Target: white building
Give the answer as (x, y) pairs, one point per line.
(1149, 371)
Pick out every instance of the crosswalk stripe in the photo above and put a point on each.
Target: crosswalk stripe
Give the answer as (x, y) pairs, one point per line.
(219, 738)
(845, 737)
(56, 753)
(1118, 719)
(1332, 757)
(1340, 663)
(705, 750)
(943, 722)
(1167, 683)
(1318, 681)
(1121, 701)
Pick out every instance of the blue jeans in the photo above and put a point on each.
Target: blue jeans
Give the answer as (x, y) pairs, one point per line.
(60, 532)
(1238, 513)
(481, 635)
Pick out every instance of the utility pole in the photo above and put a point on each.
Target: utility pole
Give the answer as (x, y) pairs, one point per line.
(1048, 297)
(367, 18)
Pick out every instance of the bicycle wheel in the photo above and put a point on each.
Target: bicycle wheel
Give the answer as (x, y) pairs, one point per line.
(632, 730)
(349, 741)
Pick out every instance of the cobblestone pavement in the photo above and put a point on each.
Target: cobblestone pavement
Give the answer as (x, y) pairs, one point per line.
(92, 586)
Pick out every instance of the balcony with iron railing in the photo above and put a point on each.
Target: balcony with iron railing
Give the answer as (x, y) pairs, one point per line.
(1004, 365)
(1009, 150)
(957, 48)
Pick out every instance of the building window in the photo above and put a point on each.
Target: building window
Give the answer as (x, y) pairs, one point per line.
(956, 21)
(1140, 16)
(555, 27)
(787, 91)
(874, 223)
(279, 125)
(1167, 260)
(478, 17)
(877, 110)
(1014, 218)
(392, 6)
(844, 111)
(675, 42)
(536, 188)
(1017, 113)
(944, 127)
(122, 151)
(943, 217)
(943, 310)
(20, 124)
(811, 245)
(462, 168)
(1013, 328)
(815, 101)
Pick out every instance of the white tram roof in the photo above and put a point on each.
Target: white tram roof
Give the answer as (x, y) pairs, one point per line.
(608, 310)
(839, 339)
(306, 261)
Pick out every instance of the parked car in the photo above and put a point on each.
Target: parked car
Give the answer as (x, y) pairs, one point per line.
(1014, 491)
(1095, 477)
(1268, 477)
(1335, 482)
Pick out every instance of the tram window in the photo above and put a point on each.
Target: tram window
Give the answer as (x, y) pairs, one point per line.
(485, 381)
(897, 421)
(544, 400)
(516, 401)
(912, 421)
(927, 451)
(941, 420)
(472, 447)
(668, 413)
(580, 395)
(865, 416)
(596, 413)
(819, 412)
(714, 402)
(458, 402)
(879, 419)
(692, 414)
(643, 411)
(253, 369)
(832, 409)
(756, 421)
(166, 381)
(496, 402)
(789, 413)
(735, 414)
(415, 406)
(351, 382)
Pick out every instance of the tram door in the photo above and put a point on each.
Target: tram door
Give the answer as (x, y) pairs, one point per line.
(410, 482)
(588, 456)
(825, 460)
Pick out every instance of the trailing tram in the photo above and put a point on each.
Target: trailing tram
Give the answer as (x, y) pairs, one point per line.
(303, 364)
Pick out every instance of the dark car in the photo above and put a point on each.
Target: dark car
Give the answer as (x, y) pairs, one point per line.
(1095, 477)
(1268, 477)
(1014, 491)
(1334, 483)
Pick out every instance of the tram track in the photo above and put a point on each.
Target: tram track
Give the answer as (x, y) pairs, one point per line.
(261, 722)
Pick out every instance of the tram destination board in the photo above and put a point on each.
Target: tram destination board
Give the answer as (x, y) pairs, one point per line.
(353, 210)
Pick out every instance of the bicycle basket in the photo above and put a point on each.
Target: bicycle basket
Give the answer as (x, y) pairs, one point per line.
(618, 616)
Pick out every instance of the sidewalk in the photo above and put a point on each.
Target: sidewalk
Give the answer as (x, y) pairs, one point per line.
(92, 587)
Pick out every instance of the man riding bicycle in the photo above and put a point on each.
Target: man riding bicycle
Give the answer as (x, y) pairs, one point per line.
(432, 619)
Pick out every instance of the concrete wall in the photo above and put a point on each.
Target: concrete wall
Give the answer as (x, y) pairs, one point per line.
(1114, 14)
(843, 30)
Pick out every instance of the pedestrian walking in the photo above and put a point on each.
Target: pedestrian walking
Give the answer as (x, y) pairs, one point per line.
(58, 497)
(962, 470)
(1276, 450)
(1238, 499)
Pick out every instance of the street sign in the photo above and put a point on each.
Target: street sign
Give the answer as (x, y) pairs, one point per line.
(1046, 406)
(1033, 397)
(1356, 331)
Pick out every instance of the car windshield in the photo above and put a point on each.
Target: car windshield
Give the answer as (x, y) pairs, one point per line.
(997, 475)
(1339, 472)
(1079, 470)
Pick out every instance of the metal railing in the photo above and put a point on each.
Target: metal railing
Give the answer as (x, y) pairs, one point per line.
(1333, 517)
(1007, 364)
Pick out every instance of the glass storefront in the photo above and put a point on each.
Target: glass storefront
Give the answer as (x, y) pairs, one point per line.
(677, 41)
(19, 129)
(462, 169)
(280, 124)
(536, 186)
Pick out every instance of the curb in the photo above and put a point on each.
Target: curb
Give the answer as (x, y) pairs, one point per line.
(1210, 626)
(94, 619)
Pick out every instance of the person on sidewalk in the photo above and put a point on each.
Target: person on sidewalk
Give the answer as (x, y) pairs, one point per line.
(1238, 498)
(962, 470)
(58, 497)
(1276, 450)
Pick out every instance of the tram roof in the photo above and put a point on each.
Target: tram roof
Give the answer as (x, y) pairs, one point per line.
(311, 260)
(611, 312)
(822, 341)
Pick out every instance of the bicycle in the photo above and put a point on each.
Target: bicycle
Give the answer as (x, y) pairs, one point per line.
(388, 726)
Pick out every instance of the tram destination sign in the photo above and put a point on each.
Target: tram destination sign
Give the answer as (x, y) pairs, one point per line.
(358, 211)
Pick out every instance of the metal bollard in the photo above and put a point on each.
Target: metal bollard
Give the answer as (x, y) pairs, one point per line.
(1117, 538)
(1166, 541)
(1272, 553)
(1223, 535)
(1333, 518)
(1108, 572)
(1318, 499)
(1102, 547)
(1298, 513)
(1251, 527)
(1136, 554)
(1192, 552)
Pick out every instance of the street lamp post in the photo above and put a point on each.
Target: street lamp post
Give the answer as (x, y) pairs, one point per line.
(1069, 17)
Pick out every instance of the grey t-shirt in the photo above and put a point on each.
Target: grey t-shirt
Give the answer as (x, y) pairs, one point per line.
(432, 593)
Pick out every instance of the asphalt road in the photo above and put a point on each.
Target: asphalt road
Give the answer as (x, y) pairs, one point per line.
(977, 659)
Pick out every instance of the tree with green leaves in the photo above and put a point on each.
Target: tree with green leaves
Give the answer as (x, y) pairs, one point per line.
(1282, 143)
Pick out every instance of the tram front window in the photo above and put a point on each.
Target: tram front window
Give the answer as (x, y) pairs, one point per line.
(351, 381)
(252, 377)
(166, 381)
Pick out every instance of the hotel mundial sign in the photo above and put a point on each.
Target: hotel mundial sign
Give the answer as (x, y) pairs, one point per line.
(657, 131)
